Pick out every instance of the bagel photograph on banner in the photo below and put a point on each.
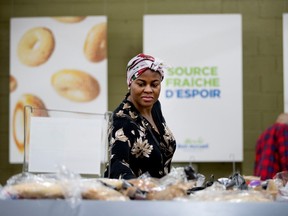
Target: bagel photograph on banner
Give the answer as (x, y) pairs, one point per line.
(57, 63)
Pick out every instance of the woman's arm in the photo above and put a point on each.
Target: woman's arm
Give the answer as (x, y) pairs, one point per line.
(123, 135)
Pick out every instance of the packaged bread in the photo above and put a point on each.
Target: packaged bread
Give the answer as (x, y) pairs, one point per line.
(35, 190)
(96, 190)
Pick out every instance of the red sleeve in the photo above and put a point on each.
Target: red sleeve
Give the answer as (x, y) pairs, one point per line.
(283, 147)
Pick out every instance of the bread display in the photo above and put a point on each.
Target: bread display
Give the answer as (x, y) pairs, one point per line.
(68, 185)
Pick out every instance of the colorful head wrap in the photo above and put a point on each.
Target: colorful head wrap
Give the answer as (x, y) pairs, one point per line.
(140, 63)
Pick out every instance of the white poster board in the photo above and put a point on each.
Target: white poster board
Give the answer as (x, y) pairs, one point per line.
(285, 60)
(65, 79)
(201, 93)
(74, 143)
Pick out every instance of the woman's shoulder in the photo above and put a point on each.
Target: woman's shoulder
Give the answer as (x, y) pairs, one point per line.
(125, 113)
(125, 110)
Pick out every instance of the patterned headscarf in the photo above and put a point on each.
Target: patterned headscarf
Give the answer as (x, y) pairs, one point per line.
(140, 63)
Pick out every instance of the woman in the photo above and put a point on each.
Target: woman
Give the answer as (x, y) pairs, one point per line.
(140, 141)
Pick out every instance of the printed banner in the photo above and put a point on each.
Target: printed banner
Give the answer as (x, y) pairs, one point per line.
(201, 93)
(285, 60)
(55, 63)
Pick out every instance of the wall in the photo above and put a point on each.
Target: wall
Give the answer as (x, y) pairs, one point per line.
(262, 57)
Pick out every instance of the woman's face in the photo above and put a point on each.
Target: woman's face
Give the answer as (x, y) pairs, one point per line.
(145, 90)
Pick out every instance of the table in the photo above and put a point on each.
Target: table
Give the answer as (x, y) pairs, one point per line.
(139, 208)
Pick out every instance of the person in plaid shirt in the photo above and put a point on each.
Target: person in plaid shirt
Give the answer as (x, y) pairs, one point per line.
(272, 149)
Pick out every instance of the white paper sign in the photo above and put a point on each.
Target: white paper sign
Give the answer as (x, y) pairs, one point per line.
(201, 93)
(71, 142)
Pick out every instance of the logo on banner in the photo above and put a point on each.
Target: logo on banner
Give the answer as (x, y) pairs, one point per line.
(189, 143)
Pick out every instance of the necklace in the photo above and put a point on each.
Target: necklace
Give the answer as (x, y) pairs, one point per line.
(151, 124)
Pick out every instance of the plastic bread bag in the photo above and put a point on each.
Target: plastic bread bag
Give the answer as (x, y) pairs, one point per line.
(146, 187)
(94, 189)
(2, 196)
(185, 175)
(146, 182)
(231, 196)
(281, 184)
(71, 185)
(138, 188)
(176, 175)
(283, 193)
(219, 192)
(172, 186)
(61, 185)
(31, 186)
(77, 188)
(151, 189)
(170, 192)
(201, 184)
(175, 184)
(236, 181)
(116, 184)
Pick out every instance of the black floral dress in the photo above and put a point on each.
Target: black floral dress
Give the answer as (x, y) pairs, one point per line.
(136, 148)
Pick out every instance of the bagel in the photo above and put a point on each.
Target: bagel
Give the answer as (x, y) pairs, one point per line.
(36, 46)
(18, 117)
(70, 19)
(95, 47)
(75, 85)
(36, 190)
(12, 83)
